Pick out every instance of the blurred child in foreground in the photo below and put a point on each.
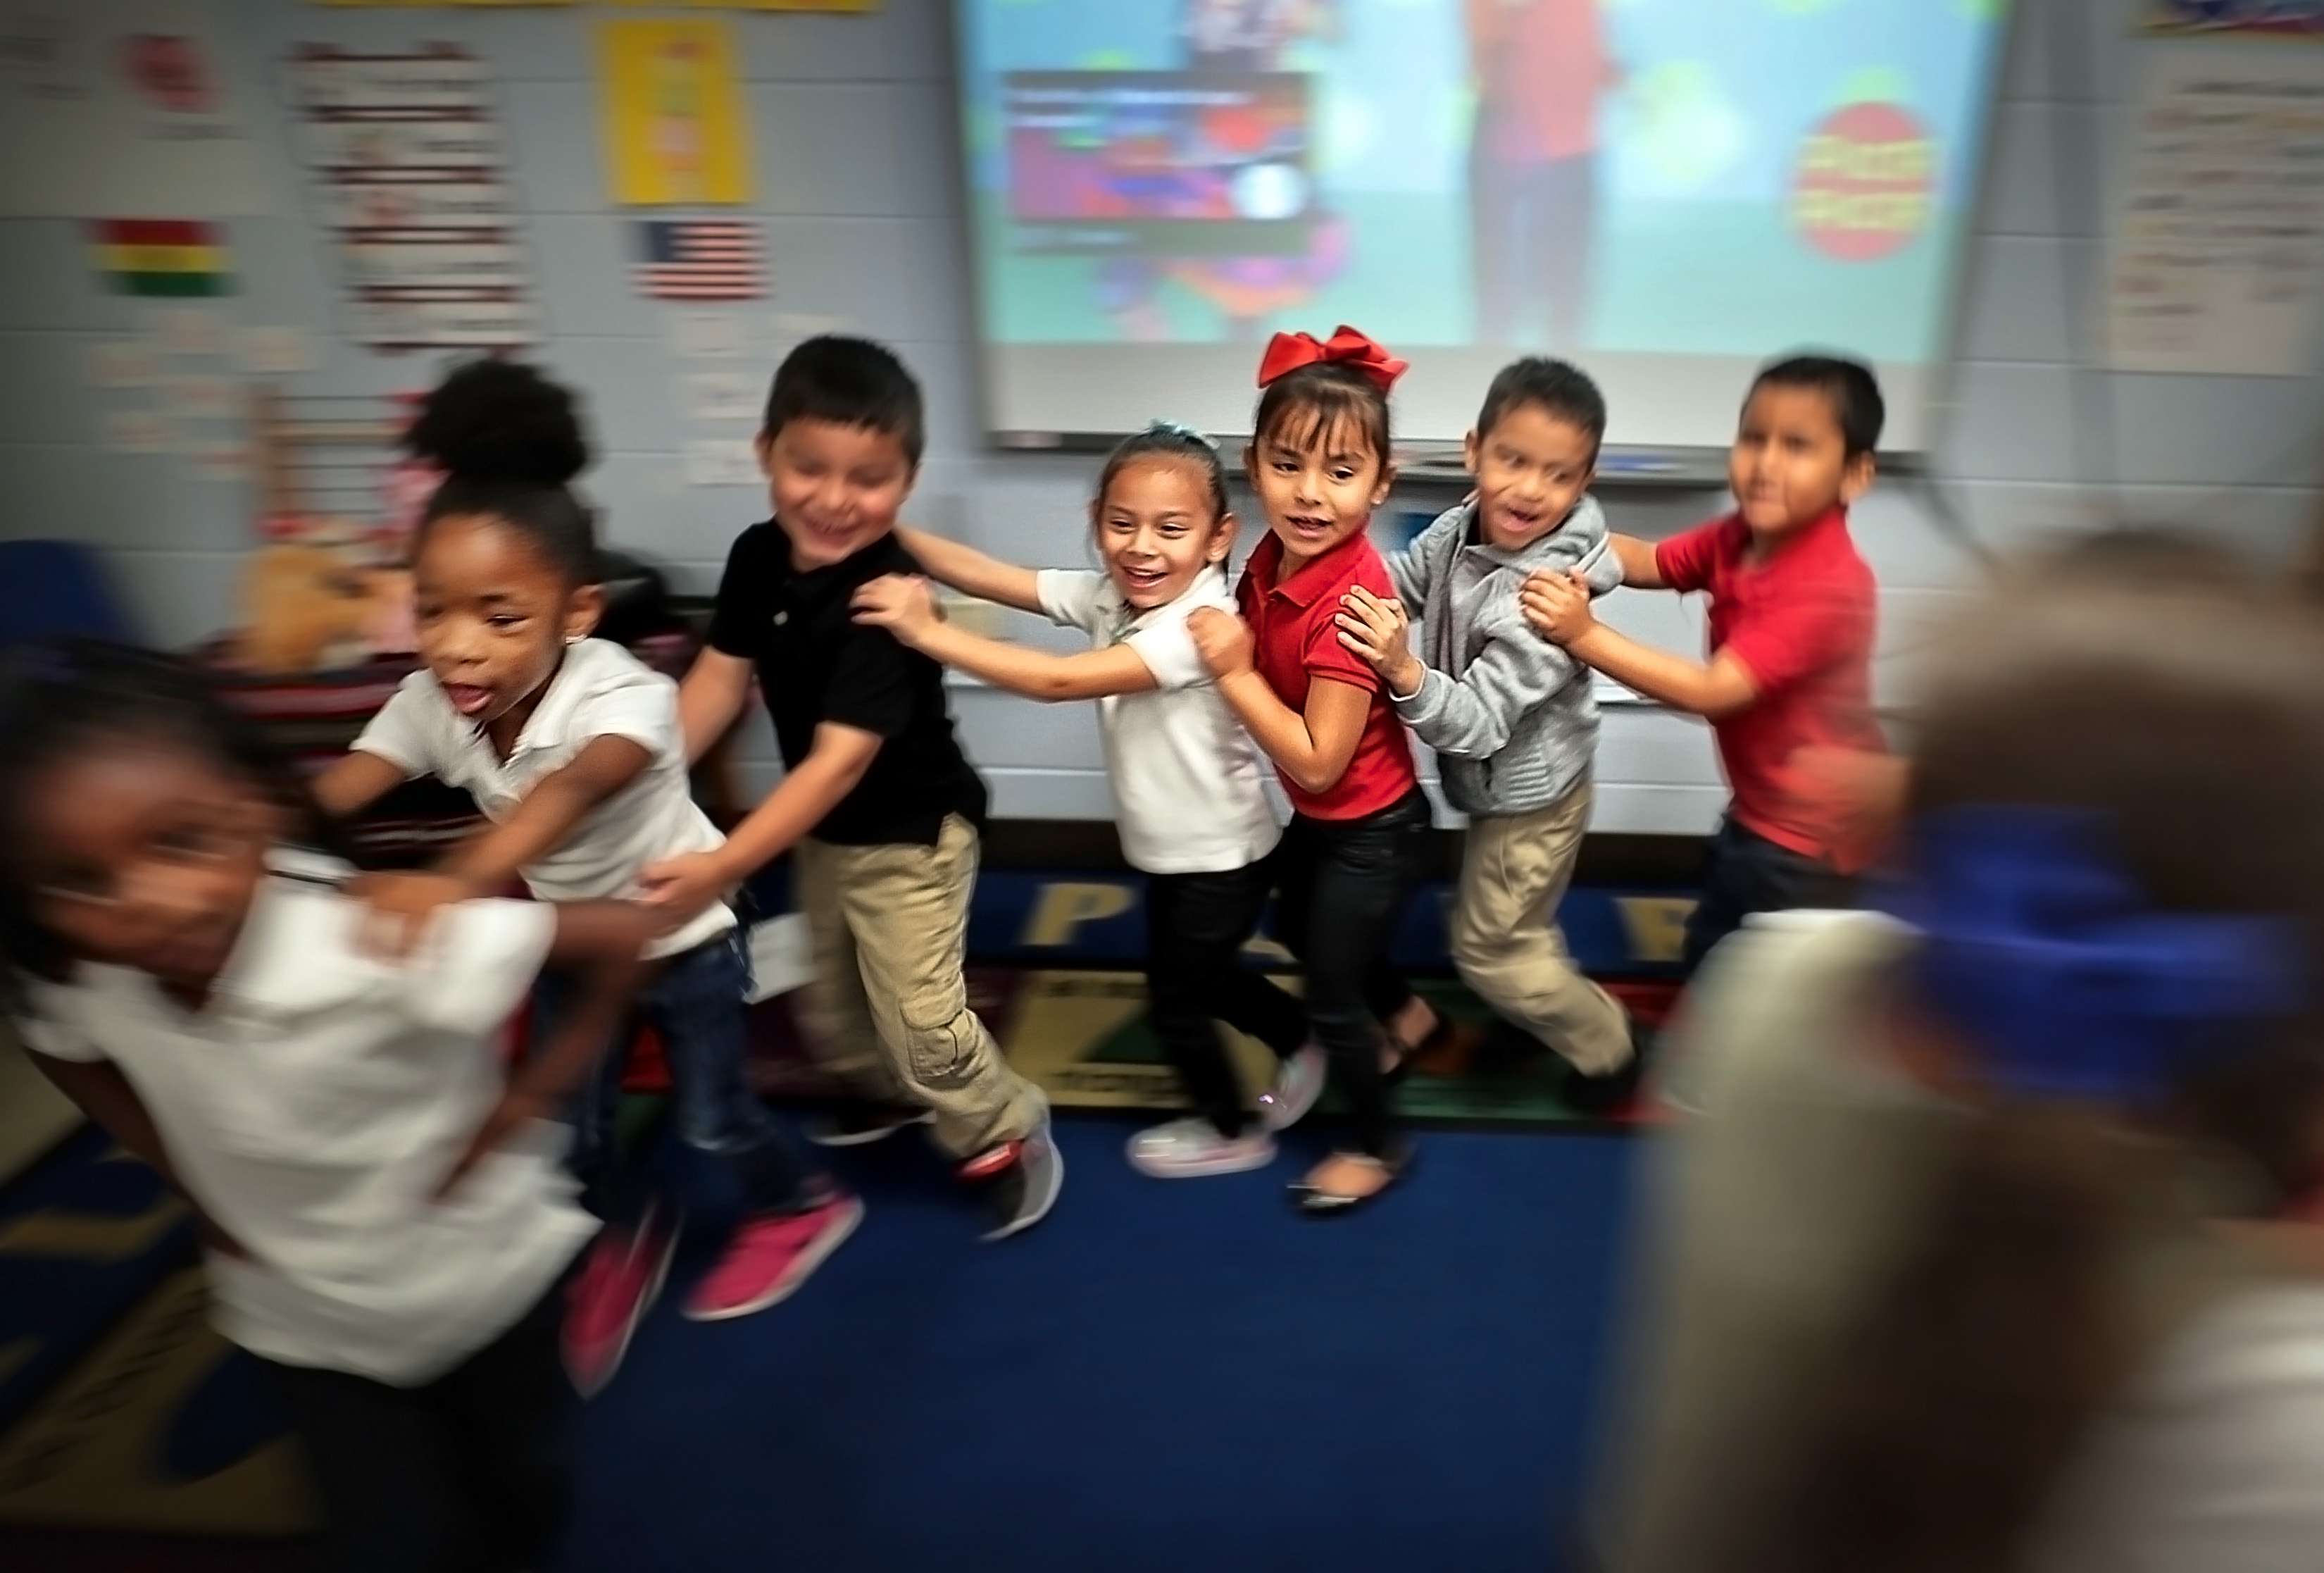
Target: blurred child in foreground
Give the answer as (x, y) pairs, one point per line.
(1996, 1245)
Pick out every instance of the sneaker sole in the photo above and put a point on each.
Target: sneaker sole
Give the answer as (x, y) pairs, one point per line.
(1203, 1168)
(803, 1267)
(865, 1138)
(1024, 1221)
(646, 1302)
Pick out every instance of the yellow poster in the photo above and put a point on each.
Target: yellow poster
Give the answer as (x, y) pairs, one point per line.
(673, 109)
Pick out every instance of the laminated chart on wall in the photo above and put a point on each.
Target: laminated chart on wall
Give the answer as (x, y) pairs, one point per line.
(2217, 255)
(672, 103)
(122, 110)
(408, 157)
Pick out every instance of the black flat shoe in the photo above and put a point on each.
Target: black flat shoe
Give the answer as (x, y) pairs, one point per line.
(1601, 1098)
(1312, 1203)
(1447, 1048)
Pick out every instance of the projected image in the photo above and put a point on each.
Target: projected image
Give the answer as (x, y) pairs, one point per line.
(1653, 177)
(1157, 163)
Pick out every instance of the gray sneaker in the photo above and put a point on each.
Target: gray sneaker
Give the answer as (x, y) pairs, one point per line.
(1022, 1185)
(1192, 1147)
(1298, 1083)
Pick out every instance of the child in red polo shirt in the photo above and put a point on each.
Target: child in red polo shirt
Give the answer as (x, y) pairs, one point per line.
(1357, 846)
(1789, 682)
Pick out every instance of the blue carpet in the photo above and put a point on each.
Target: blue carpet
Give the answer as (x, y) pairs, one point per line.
(1162, 1376)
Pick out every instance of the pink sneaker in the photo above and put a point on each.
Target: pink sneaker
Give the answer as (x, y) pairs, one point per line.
(770, 1256)
(620, 1281)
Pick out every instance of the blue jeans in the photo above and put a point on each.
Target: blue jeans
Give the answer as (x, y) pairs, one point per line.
(695, 1002)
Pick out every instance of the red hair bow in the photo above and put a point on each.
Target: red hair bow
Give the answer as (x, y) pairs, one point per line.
(1287, 352)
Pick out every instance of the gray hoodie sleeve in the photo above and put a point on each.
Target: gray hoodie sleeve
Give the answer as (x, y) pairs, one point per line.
(1472, 717)
(1415, 570)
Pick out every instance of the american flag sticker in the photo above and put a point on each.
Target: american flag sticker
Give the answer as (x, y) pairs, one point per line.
(700, 259)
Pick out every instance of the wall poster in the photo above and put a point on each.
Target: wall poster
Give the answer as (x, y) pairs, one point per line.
(408, 157)
(673, 108)
(2216, 259)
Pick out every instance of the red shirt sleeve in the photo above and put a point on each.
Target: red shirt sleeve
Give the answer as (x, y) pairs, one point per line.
(1324, 654)
(1826, 621)
(1685, 559)
(1326, 657)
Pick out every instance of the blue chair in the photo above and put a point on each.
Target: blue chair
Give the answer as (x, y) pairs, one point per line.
(50, 589)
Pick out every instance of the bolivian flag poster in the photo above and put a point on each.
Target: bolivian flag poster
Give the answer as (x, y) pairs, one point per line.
(161, 256)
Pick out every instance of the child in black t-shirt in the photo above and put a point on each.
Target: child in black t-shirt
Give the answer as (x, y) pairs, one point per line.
(878, 803)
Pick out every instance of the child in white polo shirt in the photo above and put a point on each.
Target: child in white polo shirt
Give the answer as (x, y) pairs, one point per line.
(1188, 786)
(385, 1221)
(571, 747)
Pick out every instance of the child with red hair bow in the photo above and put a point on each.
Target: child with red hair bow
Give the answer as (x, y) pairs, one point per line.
(1357, 846)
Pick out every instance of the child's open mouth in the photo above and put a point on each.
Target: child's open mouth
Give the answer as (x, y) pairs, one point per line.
(467, 698)
(1308, 526)
(1144, 578)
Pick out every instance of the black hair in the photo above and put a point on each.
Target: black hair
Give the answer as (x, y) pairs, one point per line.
(509, 441)
(60, 700)
(1847, 384)
(1558, 389)
(850, 382)
(1305, 406)
(1168, 439)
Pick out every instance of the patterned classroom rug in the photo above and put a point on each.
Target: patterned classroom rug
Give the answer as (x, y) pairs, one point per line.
(121, 1410)
(1082, 1035)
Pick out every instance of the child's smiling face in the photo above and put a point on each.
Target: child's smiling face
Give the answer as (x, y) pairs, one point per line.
(1317, 487)
(1157, 529)
(835, 488)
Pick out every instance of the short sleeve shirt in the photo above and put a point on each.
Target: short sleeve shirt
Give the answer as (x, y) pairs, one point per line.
(1189, 786)
(816, 665)
(600, 690)
(1296, 641)
(1801, 623)
(314, 1105)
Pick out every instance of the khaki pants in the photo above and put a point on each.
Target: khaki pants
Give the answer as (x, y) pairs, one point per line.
(1505, 937)
(888, 1009)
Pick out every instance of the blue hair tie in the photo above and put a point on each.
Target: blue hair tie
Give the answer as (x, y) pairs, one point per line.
(2049, 956)
(1181, 430)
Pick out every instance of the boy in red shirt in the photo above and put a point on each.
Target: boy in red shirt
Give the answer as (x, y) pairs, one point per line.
(1788, 687)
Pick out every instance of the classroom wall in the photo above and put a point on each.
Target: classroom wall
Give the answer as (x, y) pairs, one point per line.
(854, 153)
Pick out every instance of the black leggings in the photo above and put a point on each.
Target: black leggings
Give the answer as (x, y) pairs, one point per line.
(1197, 925)
(467, 1473)
(1343, 884)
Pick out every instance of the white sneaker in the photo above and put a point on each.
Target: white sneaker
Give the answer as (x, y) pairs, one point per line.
(1189, 1148)
(1297, 1085)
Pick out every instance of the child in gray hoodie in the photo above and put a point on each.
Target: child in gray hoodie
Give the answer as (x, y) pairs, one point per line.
(1510, 716)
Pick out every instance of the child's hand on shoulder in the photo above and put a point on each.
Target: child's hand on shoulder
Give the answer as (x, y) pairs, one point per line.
(402, 905)
(1221, 639)
(903, 604)
(1557, 606)
(1377, 629)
